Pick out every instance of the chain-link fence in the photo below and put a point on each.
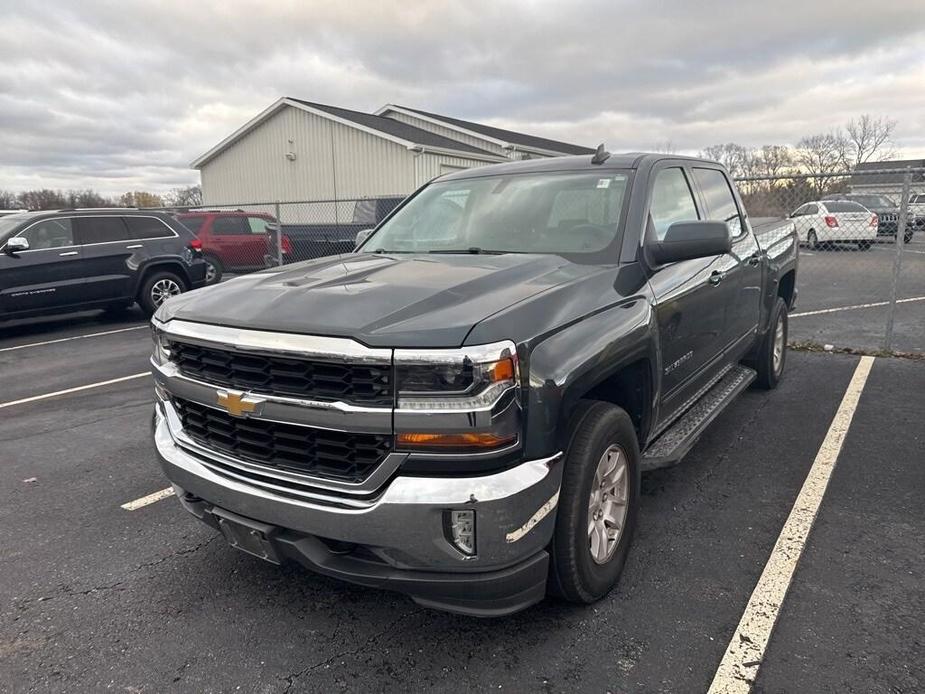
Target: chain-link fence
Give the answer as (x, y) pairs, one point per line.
(859, 287)
(861, 276)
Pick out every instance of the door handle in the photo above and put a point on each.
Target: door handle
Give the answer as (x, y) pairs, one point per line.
(68, 253)
(716, 277)
(136, 245)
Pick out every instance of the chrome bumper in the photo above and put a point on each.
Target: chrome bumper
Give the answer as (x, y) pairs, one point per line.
(404, 524)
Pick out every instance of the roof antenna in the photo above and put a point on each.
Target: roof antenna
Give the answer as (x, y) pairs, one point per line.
(601, 155)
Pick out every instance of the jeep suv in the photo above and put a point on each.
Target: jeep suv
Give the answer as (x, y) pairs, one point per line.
(77, 259)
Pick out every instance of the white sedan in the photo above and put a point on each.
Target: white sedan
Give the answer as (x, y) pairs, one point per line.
(825, 222)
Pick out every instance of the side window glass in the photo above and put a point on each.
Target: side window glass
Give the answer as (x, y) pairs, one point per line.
(99, 230)
(258, 225)
(50, 233)
(800, 211)
(147, 228)
(811, 209)
(672, 201)
(719, 200)
(225, 226)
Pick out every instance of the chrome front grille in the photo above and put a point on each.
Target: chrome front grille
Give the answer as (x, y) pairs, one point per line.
(343, 456)
(359, 383)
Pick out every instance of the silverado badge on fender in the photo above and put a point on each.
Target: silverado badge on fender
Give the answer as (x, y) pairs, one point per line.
(237, 403)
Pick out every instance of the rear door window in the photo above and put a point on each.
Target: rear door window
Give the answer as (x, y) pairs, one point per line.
(717, 195)
(672, 201)
(230, 226)
(89, 230)
(147, 228)
(49, 233)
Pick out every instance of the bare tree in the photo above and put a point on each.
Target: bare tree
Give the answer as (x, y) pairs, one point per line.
(141, 198)
(8, 200)
(44, 199)
(869, 139)
(664, 147)
(820, 155)
(773, 160)
(190, 196)
(736, 158)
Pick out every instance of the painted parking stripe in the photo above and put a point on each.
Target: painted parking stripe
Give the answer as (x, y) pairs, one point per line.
(147, 500)
(67, 391)
(739, 666)
(855, 307)
(73, 337)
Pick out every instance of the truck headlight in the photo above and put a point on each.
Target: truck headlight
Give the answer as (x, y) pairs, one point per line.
(458, 401)
(161, 350)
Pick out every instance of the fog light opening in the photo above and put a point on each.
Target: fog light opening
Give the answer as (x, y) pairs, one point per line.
(460, 527)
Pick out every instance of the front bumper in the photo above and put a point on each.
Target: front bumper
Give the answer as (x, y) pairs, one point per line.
(397, 540)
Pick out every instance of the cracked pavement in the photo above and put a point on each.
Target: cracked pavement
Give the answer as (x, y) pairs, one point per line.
(95, 598)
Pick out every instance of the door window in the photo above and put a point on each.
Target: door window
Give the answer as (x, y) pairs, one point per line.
(99, 230)
(717, 195)
(811, 209)
(49, 233)
(194, 224)
(230, 226)
(672, 201)
(147, 228)
(258, 225)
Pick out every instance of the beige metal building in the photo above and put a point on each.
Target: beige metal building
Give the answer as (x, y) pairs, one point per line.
(298, 151)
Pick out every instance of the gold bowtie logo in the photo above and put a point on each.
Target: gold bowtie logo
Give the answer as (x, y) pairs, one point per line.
(236, 403)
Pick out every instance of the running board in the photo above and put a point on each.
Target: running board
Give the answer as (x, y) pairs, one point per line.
(670, 447)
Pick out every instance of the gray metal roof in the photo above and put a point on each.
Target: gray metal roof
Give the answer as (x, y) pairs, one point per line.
(511, 136)
(874, 173)
(390, 126)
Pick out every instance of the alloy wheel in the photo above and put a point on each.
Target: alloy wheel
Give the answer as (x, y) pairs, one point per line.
(608, 504)
(163, 289)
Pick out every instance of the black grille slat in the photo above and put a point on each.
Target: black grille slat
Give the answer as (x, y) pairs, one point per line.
(357, 383)
(340, 455)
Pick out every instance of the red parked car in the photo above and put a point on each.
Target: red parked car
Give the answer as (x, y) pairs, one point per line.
(233, 241)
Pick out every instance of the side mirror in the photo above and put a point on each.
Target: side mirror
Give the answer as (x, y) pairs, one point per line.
(687, 240)
(362, 236)
(16, 244)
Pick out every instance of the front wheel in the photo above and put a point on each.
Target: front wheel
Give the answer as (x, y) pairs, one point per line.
(772, 354)
(907, 237)
(812, 240)
(157, 288)
(864, 245)
(598, 503)
(214, 269)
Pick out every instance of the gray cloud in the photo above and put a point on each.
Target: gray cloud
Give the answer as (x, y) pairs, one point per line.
(123, 96)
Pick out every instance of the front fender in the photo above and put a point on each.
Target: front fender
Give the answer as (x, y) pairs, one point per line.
(567, 365)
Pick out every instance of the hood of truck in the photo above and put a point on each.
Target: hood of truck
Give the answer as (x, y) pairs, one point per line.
(380, 300)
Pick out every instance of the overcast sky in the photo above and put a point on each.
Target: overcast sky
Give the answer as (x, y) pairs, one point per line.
(122, 96)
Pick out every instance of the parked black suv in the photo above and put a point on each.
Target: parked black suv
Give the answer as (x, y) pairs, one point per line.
(66, 260)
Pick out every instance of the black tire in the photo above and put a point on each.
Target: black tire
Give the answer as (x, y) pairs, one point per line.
(769, 370)
(148, 294)
(573, 574)
(812, 240)
(214, 265)
(864, 245)
(907, 237)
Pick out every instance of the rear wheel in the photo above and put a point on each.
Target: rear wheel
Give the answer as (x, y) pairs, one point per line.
(907, 237)
(214, 269)
(772, 354)
(812, 241)
(598, 503)
(157, 288)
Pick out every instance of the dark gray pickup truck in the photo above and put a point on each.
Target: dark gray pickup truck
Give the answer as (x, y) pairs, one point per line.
(461, 409)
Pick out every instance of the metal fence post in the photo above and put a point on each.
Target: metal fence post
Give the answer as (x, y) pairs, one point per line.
(279, 237)
(897, 260)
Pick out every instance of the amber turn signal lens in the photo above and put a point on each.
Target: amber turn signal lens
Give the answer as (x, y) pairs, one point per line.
(467, 440)
(502, 371)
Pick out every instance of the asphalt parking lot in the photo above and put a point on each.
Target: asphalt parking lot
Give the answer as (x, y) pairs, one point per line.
(844, 295)
(96, 597)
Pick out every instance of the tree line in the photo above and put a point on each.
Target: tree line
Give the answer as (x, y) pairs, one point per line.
(859, 141)
(47, 199)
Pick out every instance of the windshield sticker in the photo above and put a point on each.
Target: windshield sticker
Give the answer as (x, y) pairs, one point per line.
(603, 183)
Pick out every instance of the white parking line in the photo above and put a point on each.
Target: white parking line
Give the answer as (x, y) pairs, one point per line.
(73, 337)
(66, 391)
(739, 667)
(146, 500)
(855, 307)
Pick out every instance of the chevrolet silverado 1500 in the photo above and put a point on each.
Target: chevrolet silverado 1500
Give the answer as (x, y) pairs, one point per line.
(461, 409)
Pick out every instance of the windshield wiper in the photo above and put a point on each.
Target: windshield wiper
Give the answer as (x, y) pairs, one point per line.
(472, 250)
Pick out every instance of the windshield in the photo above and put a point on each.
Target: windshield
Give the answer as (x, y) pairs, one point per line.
(527, 213)
(10, 222)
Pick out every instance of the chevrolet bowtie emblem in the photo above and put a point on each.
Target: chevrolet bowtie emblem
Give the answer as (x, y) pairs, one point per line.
(237, 403)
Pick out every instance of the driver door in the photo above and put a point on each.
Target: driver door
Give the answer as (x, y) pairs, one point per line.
(47, 276)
